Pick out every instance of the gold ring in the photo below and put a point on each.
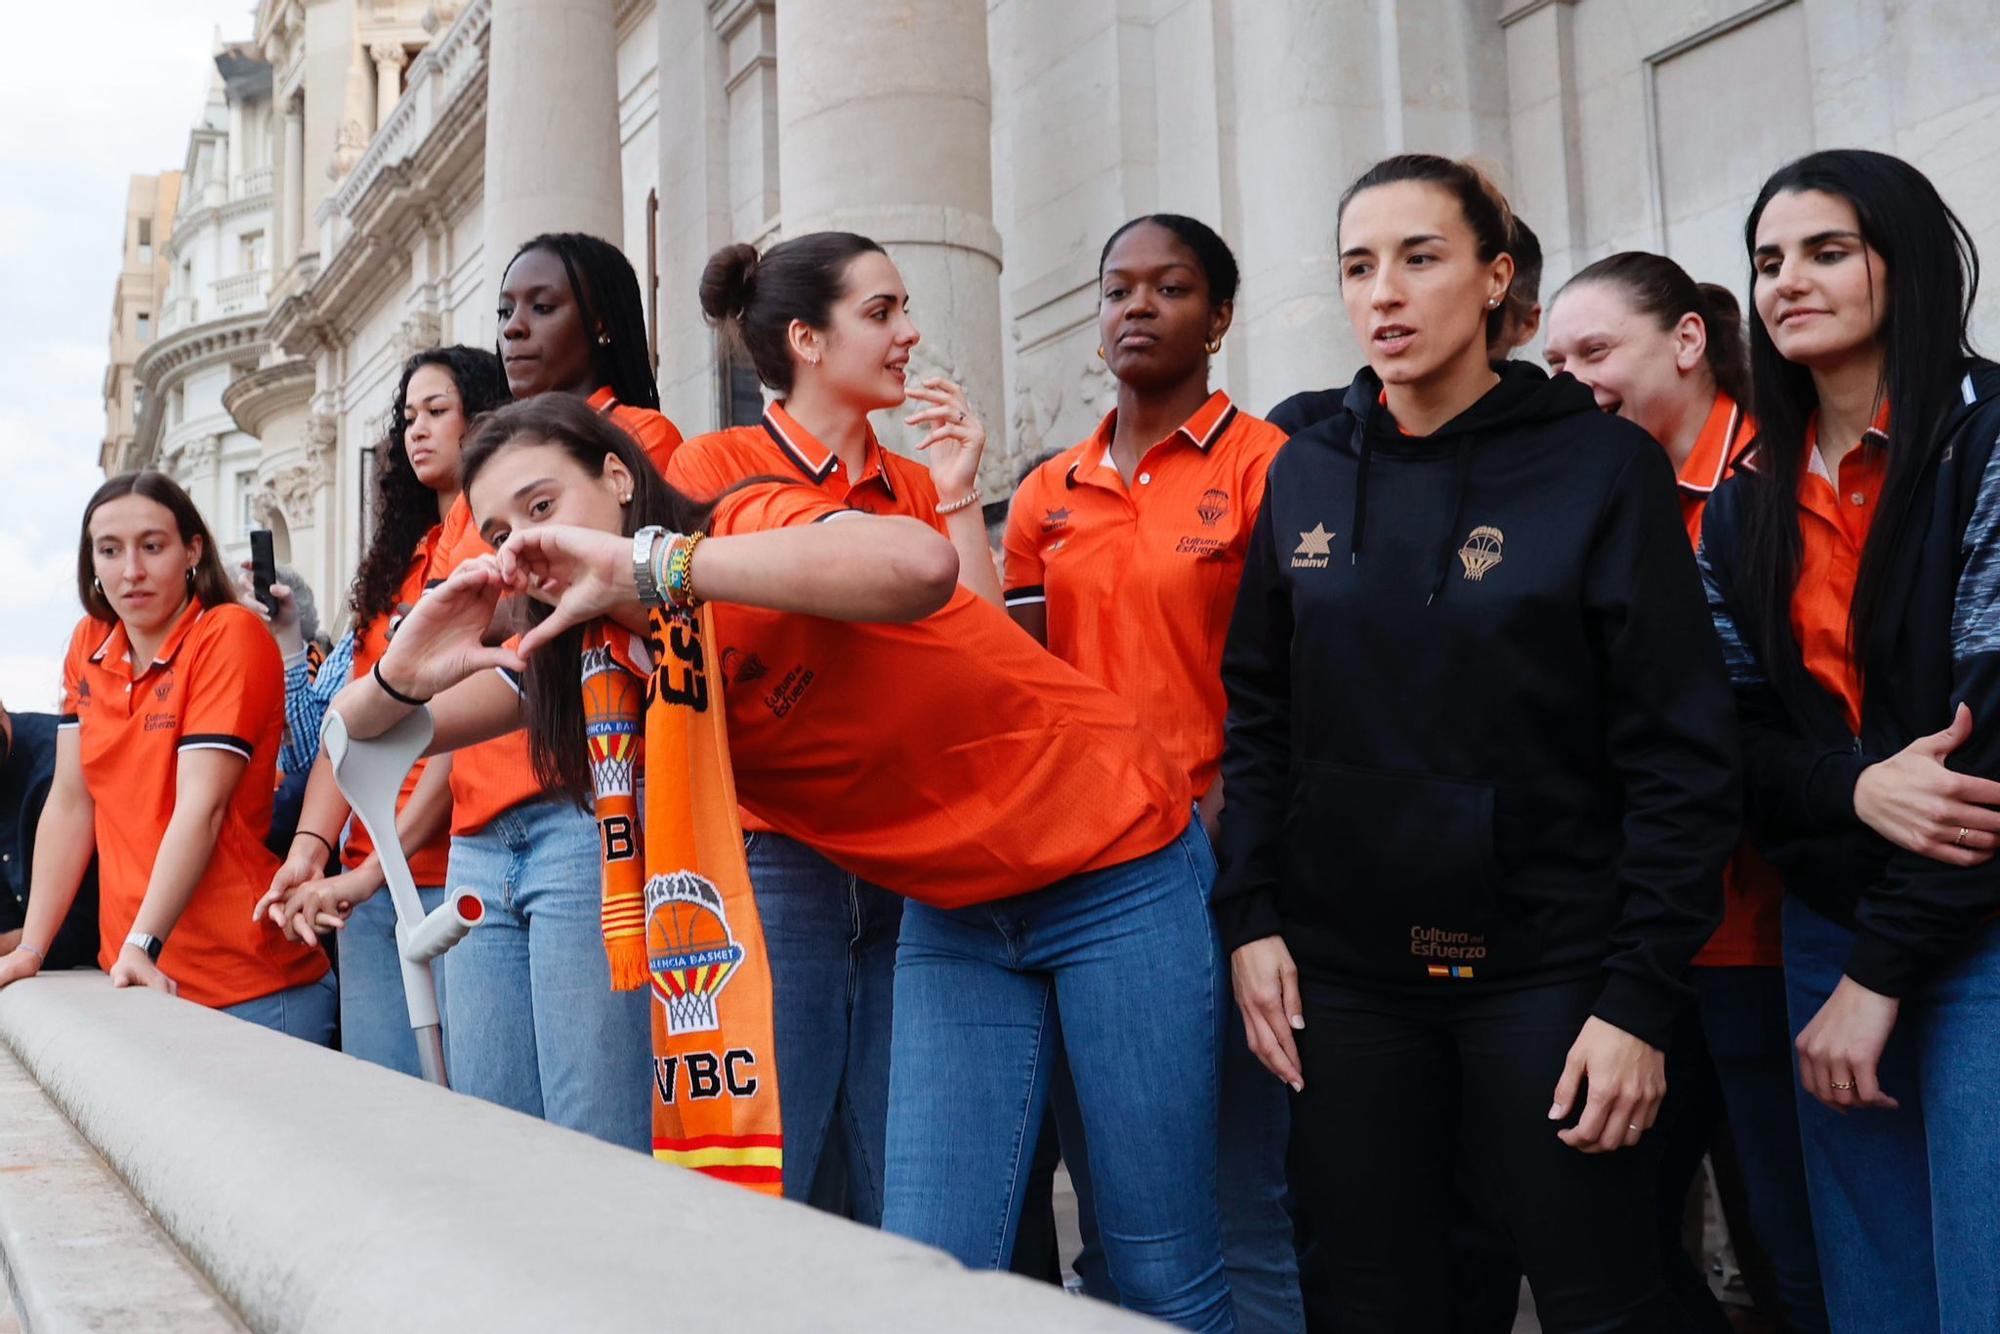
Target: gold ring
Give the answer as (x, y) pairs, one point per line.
(1841, 1084)
(1959, 842)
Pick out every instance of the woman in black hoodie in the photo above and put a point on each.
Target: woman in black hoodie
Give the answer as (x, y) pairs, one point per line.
(1480, 758)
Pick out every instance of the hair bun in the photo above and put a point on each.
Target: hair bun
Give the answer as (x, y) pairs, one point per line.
(725, 282)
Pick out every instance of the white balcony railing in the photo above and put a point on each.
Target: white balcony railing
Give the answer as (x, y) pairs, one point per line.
(180, 312)
(241, 291)
(256, 181)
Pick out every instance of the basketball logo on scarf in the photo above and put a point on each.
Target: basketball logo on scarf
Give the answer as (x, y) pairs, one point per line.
(678, 913)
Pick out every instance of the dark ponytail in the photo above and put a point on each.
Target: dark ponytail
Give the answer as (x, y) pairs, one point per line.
(1655, 286)
(754, 298)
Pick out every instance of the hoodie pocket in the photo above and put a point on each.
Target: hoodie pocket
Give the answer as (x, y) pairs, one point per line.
(1377, 842)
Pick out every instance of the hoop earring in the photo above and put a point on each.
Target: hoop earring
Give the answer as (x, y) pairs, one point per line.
(1214, 345)
(190, 577)
(1100, 351)
(98, 584)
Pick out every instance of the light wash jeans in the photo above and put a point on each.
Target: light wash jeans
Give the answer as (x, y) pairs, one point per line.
(531, 1021)
(1121, 967)
(304, 1011)
(1904, 1205)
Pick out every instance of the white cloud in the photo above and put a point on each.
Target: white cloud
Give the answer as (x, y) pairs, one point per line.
(70, 148)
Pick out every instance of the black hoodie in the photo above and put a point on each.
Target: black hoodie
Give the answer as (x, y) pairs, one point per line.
(1480, 732)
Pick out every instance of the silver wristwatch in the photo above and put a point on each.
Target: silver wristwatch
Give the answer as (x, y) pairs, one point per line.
(642, 563)
(152, 945)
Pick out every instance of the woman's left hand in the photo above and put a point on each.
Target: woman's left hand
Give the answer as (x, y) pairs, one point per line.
(957, 440)
(132, 968)
(1627, 1077)
(1841, 1048)
(581, 572)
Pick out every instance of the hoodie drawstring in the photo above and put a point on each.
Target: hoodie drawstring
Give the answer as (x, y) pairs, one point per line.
(1460, 471)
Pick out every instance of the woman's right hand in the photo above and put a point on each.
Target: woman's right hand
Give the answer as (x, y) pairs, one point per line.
(325, 904)
(283, 619)
(306, 862)
(1921, 806)
(441, 641)
(581, 573)
(1267, 992)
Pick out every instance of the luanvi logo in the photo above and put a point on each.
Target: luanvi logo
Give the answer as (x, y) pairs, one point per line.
(1315, 549)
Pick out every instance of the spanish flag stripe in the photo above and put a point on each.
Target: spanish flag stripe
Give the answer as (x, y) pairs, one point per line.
(722, 1157)
(766, 1179)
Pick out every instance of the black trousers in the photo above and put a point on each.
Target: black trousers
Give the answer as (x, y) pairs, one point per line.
(1388, 1080)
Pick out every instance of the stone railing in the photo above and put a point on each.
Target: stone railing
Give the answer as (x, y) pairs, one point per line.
(178, 314)
(241, 291)
(316, 1194)
(256, 181)
(436, 79)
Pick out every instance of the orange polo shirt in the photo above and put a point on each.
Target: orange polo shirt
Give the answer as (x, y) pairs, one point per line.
(778, 446)
(951, 759)
(216, 683)
(431, 564)
(650, 429)
(1140, 581)
(1753, 897)
(1835, 515)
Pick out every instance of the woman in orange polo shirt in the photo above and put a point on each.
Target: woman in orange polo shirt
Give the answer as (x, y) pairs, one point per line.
(1055, 882)
(831, 933)
(166, 760)
(1854, 574)
(1666, 352)
(419, 526)
(1123, 555)
(573, 321)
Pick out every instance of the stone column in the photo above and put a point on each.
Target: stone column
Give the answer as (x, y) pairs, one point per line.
(885, 125)
(389, 58)
(291, 205)
(551, 126)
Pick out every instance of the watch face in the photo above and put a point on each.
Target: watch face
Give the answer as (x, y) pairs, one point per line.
(153, 948)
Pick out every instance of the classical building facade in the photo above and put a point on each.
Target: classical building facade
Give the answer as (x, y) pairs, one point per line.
(135, 306)
(992, 145)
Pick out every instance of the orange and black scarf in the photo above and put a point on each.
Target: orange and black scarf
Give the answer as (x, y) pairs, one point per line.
(678, 914)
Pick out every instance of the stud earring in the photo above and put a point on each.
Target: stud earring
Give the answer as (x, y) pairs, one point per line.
(1493, 304)
(604, 340)
(625, 499)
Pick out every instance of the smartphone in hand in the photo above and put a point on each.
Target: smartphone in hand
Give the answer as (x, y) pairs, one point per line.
(263, 568)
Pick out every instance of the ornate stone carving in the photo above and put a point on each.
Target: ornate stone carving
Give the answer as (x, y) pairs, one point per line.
(264, 507)
(389, 53)
(420, 330)
(322, 434)
(296, 490)
(349, 145)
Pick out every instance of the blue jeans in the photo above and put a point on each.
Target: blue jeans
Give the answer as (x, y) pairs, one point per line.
(532, 1022)
(1124, 964)
(1743, 1013)
(1903, 1203)
(304, 1011)
(374, 1015)
(831, 939)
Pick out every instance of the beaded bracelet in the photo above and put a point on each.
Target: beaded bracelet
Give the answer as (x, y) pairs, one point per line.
(680, 571)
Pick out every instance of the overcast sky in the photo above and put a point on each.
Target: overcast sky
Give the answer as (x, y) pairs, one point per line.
(76, 121)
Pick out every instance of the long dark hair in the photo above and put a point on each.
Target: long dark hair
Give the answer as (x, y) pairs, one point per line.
(608, 298)
(406, 509)
(1655, 286)
(553, 687)
(1486, 209)
(754, 298)
(211, 584)
(1933, 277)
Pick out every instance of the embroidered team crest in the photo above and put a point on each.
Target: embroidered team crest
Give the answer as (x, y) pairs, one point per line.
(166, 685)
(741, 668)
(1315, 549)
(1481, 552)
(1213, 505)
(690, 952)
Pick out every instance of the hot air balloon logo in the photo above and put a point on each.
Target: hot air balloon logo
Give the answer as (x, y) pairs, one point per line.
(689, 951)
(1481, 551)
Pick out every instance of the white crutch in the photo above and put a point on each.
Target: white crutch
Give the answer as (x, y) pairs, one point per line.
(370, 774)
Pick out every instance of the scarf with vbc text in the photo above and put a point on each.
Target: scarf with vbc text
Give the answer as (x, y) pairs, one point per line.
(678, 915)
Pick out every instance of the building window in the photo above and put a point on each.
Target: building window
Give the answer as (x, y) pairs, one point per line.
(246, 486)
(371, 491)
(143, 326)
(177, 405)
(740, 392)
(145, 240)
(250, 252)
